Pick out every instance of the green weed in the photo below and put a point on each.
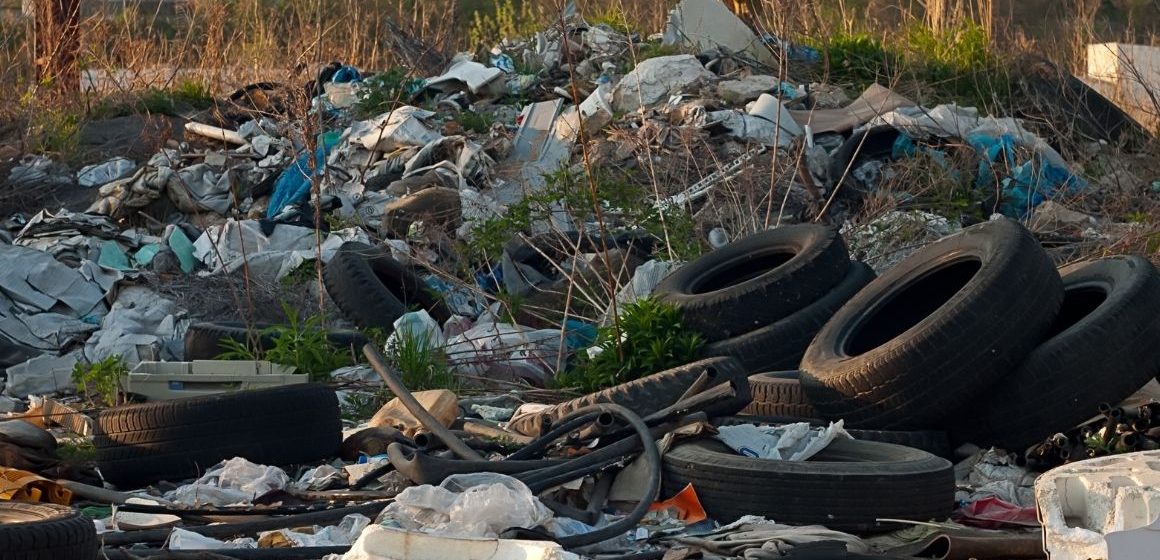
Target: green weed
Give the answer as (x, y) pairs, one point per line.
(100, 382)
(475, 121)
(622, 201)
(421, 364)
(300, 343)
(77, 451)
(507, 21)
(385, 91)
(650, 338)
(360, 406)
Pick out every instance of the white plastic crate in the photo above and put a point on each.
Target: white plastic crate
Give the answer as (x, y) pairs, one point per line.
(159, 381)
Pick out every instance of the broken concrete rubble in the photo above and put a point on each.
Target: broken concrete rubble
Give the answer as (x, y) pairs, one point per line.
(749, 88)
(655, 79)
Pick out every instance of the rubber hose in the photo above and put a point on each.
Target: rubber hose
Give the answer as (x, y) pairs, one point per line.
(652, 457)
(593, 462)
(596, 461)
(421, 468)
(565, 425)
(396, 386)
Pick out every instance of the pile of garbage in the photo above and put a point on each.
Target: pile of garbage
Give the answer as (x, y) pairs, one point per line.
(888, 388)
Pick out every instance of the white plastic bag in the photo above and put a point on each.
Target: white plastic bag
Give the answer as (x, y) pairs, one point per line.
(469, 505)
(789, 442)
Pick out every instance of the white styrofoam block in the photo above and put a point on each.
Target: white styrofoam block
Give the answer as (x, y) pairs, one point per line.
(1120, 61)
(1082, 502)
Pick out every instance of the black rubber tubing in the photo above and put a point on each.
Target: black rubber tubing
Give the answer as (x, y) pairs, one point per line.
(652, 457)
(226, 530)
(422, 468)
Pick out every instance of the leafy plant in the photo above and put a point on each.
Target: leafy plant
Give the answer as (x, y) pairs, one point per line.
(650, 338)
(77, 451)
(385, 91)
(101, 379)
(475, 121)
(627, 202)
(507, 21)
(299, 343)
(421, 364)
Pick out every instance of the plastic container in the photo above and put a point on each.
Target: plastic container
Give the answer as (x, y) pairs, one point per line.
(159, 381)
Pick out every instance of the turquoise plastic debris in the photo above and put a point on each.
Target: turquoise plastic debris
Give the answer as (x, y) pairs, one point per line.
(113, 257)
(183, 248)
(1029, 180)
(145, 254)
(578, 334)
(294, 183)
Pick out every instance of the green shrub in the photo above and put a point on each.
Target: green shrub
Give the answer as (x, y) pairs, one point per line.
(300, 343)
(421, 364)
(650, 338)
(101, 380)
(385, 91)
(622, 200)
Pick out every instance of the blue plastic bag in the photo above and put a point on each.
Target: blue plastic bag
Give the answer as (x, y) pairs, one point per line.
(294, 183)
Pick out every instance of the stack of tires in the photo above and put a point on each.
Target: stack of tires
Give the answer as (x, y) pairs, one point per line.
(977, 336)
(761, 300)
(980, 336)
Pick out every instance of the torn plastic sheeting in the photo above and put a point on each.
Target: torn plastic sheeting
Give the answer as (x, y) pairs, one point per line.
(1040, 177)
(466, 73)
(182, 539)
(749, 127)
(383, 543)
(44, 331)
(454, 153)
(419, 328)
(399, 128)
(995, 513)
(35, 278)
(141, 325)
(230, 482)
(755, 538)
(645, 279)
(345, 533)
(269, 257)
(788, 442)
(469, 505)
(294, 183)
(42, 375)
(123, 197)
(708, 25)
(201, 187)
(875, 101)
(98, 174)
(655, 79)
(504, 350)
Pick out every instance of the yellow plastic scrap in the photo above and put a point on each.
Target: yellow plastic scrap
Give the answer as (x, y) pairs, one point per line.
(22, 486)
